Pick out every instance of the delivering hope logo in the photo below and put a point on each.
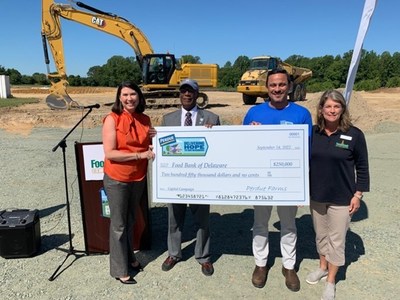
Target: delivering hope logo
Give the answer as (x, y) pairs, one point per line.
(183, 146)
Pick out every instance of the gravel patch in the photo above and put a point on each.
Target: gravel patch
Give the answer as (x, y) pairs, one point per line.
(32, 178)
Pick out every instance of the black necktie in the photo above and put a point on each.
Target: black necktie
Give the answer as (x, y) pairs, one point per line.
(188, 120)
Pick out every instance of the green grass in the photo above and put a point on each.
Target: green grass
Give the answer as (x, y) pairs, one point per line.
(12, 102)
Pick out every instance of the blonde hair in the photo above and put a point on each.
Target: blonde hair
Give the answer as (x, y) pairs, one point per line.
(344, 121)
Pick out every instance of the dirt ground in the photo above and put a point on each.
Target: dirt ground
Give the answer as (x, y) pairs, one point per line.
(369, 110)
(31, 177)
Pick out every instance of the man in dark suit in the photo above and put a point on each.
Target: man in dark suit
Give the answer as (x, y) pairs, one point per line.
(189, 115)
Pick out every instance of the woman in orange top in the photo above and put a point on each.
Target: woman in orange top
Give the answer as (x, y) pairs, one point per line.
(127, 134)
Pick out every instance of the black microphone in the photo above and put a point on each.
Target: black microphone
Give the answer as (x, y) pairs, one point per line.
(91, 106)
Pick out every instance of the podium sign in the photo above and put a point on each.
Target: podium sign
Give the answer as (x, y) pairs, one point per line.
(89, 162)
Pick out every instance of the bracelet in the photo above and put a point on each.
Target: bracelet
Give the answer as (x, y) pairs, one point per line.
(359, 197)
(137, 156)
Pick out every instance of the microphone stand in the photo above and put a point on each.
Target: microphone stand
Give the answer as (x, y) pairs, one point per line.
(70, 250)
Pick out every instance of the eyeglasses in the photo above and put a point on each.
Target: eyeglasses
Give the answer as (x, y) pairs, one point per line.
(184, 90)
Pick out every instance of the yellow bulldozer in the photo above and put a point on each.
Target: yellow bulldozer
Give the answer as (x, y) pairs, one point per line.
(161, 73)
(252, 84)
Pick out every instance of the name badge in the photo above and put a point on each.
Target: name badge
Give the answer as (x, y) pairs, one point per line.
(346, 137)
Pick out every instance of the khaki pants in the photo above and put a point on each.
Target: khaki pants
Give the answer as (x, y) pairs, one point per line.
(331, 223)
(287, 218)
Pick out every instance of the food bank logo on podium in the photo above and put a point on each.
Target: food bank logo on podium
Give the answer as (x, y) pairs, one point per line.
(93, 160)
(96, 166)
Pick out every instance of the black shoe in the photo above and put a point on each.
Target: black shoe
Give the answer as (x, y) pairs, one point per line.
(130, 280)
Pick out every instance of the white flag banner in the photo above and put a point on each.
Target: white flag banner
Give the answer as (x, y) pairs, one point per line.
(369, 8)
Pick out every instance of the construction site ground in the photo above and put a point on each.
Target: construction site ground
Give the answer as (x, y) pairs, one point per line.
(368, 109)
(32, 178)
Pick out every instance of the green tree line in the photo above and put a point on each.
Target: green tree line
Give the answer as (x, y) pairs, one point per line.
(375, 71)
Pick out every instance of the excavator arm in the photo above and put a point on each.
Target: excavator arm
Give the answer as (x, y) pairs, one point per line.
(161, 74)
(51, 34)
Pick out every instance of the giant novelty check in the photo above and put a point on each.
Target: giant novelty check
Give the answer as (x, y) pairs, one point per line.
(231, 165)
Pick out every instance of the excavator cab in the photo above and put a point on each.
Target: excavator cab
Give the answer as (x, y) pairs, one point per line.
(158, 68)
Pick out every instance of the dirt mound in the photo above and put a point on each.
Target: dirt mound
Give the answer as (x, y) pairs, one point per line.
(71, 90)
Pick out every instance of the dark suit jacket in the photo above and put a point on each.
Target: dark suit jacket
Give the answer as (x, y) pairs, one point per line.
(203, 117)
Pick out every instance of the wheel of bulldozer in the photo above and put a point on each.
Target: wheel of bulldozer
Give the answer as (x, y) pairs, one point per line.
(202, 100)
(249, 100)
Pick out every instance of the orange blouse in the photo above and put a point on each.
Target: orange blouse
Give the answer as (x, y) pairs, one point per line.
(132, 132)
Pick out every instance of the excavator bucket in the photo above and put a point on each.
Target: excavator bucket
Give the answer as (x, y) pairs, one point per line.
(58, 97)
(55, 101)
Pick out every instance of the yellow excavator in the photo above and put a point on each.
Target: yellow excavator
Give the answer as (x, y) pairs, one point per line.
(161, 73)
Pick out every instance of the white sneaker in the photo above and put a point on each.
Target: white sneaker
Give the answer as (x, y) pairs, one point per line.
(316, 276)
(329, 291)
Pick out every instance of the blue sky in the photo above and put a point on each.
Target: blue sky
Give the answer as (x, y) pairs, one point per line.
(217, 31)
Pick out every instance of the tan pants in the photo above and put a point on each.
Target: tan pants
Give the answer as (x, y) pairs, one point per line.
(331, 223)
